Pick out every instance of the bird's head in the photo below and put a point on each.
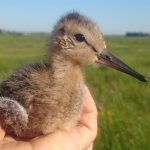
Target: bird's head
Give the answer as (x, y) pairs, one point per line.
(79, 39)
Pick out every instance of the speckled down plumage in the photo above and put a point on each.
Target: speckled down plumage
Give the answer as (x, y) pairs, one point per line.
(41, 98)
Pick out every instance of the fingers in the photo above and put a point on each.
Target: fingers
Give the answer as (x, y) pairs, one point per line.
(89, 105)
(2, 134)
(8, 139)
(90, 147)
(89, 114)
(88, 121)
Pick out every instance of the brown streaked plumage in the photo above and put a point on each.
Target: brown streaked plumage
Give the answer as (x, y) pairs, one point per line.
(41, 98)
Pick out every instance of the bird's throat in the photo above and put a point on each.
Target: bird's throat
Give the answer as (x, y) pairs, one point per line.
(66, 72)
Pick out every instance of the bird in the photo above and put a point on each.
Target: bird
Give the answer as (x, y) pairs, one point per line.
(40, 98)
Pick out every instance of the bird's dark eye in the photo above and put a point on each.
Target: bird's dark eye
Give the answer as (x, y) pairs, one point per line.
(79, 37)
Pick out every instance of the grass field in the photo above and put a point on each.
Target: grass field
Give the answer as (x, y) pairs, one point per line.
(124, 120)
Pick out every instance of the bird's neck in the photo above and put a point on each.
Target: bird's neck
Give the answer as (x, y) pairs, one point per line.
(65, 71)
(67, 85)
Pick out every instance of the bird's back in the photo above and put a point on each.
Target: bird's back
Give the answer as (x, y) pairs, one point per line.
(24, 82)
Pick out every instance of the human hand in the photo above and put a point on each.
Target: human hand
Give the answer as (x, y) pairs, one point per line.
(80, 137)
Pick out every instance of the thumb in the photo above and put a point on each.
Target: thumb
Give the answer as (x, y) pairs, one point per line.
(2, 134)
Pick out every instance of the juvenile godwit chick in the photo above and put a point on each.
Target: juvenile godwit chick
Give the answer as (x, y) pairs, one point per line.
(41, 98)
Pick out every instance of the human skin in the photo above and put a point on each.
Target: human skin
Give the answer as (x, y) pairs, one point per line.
(80, 137)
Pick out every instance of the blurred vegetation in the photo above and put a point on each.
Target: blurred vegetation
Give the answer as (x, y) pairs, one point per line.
(124, 117)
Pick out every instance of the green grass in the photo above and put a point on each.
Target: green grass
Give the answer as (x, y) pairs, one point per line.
(18, 50)
(124, 120)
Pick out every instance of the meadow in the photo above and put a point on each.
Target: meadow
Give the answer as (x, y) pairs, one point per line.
(124, 102)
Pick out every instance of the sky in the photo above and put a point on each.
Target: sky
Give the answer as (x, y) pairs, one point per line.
(113, 16)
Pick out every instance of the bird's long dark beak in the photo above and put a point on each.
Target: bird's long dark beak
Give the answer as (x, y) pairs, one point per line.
(107, 59)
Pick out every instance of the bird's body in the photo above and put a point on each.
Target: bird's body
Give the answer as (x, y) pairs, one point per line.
(50, 93)
(41, 98)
